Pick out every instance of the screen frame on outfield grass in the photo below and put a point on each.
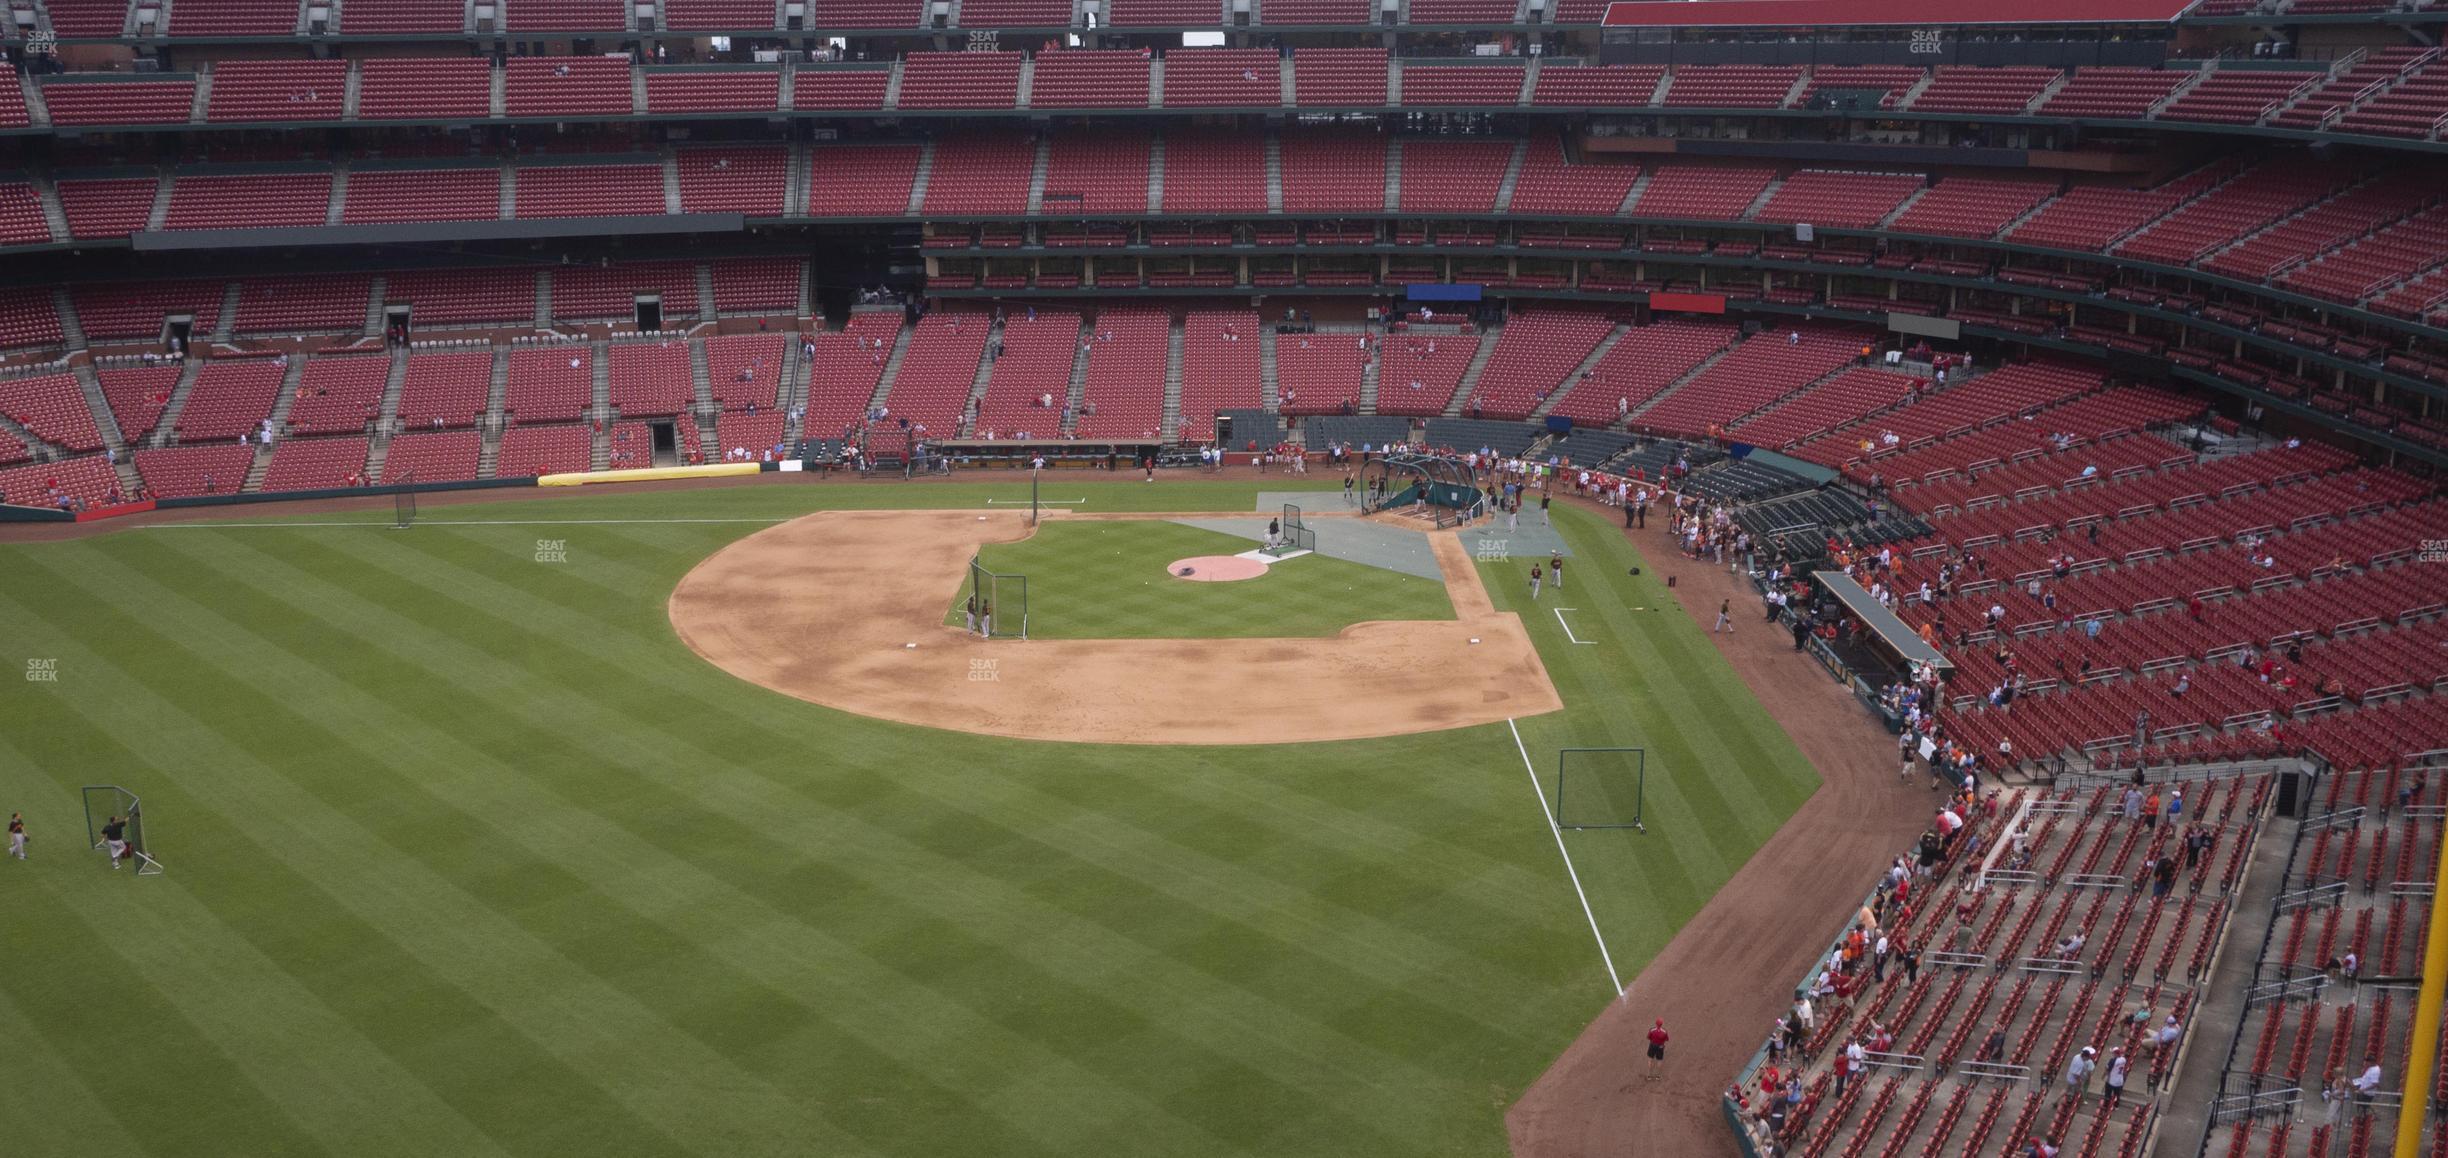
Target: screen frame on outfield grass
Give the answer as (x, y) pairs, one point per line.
(1640, 788)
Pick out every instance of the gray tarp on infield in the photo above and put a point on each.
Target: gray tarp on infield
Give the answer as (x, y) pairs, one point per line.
(1358, 540)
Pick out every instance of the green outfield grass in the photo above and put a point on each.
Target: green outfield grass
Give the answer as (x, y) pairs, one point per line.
(468, 855)
(1107, 580)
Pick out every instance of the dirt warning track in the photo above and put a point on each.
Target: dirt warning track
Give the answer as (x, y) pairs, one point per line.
(823, 608)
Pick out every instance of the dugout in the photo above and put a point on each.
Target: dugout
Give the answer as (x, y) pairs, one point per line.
(1401, 479)
(1874, 646)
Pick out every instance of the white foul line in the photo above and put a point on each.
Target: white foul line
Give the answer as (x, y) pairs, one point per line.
(422, 522)
(1559, 612)
(1558, 833)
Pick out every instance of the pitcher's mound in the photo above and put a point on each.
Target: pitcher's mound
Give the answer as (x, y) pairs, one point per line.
(1215, 568)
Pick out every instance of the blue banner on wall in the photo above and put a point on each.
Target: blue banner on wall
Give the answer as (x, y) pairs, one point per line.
(1440, 292)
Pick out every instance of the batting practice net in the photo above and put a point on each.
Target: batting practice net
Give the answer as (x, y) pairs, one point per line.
(403, 510)
(1601, 787)
(1297, 535)
(105, 801)
(997, 607)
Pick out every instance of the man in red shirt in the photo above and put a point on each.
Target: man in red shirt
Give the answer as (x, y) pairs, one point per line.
(1657, 1048)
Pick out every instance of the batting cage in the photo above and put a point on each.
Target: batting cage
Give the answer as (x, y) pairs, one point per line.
(1297, 535)
(106, 804)
(403, 506)
(997, 607)
(1601, 787)
(1433, 486)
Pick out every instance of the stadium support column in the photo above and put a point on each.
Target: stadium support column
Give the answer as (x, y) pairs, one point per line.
(2422, 1054)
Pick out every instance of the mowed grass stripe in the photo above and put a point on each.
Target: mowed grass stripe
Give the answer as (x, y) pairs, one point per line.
(46, 1102)
(492, 598)
(676, 937)
(583, 1041)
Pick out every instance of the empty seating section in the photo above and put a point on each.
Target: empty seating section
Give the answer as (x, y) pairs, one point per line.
(137, 398)
(2220, 216)
(2235, 96)
(1890, 81)
(589, 191)
(549, 384)
(1030, 385)
(843, 375)
(1613, 84)
(1641, 364)
(960, 80)
(231, 397)
(52, 408)
(377, 17)
(339, 395)
(277, 90)
(862, 180)
(298, 304)
(139, 102)
(1418, 373)
(1215, 173)
(1463, 84)
(1461, 11)
(588, 86)
(1549, 183)
(761, 285)
(2316, 108)
(1103, 173)
(1537, 351)
(1332, 172)
(749, 180)
(87, 17)
(588, 291)
(1015, 13)
(1731, 86)
(1315, 12)
(125, 310)
(1219, 368)
(745, 368)
(2111, 92)
(1320, 373)
(1324, 77)
(1845, 398)
(115, 207)
(864, 13)
(249, 201)
(932, 386)
(2413, 107)
(1453, 176)
(448, 296)
(1762, 370)
(1971, 206)
(2092, 216)
(2373, 263)
(1967, 89)
(1166, 13)
(1087, 78)
(981, 174)
(561, 15)
(713, 91)
(2342, 218)
(424, 88)
(1705, 192)
(442, 391)
(757, 434)
(1224, 77)
(651, 379)
(531, 451)
(88, 481)
(449, 456)
(1991, 399)
(1123, 389)
(316, 464)
(840, 88)
(184, 471)
(21, 215)
(28, 318)
(13, 114)
(718, 15)
(1850, 200)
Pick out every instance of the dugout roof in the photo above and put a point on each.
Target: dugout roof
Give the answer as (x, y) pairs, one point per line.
(1882, 623)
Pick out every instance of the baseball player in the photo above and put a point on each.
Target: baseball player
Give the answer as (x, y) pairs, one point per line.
(114, 838)
(17, 835)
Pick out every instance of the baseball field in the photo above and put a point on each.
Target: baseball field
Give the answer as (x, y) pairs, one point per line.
(539, 828)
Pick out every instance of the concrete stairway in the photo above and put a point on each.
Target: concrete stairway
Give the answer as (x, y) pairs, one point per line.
(1173, 383)
(1470, 374)
(1565, 387)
